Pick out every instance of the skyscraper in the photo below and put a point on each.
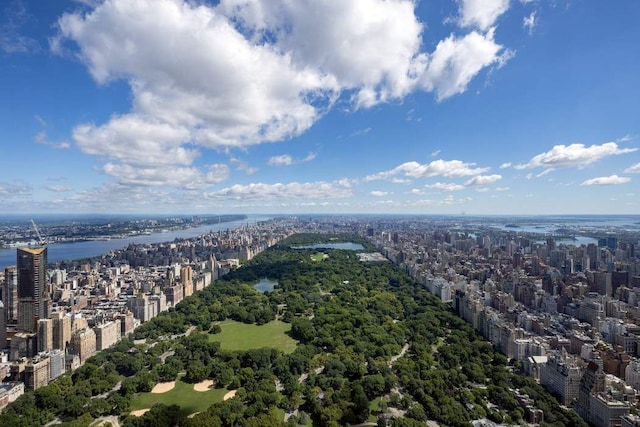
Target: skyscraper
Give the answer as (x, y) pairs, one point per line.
(32, 295)
(10, 294)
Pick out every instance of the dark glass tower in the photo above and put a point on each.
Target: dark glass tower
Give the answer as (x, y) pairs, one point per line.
(32, 280)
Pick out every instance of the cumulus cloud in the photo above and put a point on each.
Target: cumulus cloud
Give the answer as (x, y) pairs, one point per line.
(505, 165)
(476, 181)
(245, 72)
(283, 160)
(287, 160)
(481, 13)
(136, 140)
(377, 193)
(607, 180)
(446, 168)
(180, 177)
(573, 155)
(633, 169)
(278, 191)
(483, 180)
(456, 60)
(445, 186)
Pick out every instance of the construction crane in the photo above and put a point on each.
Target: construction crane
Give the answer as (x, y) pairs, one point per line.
(40, 238)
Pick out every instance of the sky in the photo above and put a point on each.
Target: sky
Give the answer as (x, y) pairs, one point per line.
(517, 107)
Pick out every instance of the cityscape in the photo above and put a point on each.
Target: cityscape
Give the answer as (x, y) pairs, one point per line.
(563, 313)
(319, 213)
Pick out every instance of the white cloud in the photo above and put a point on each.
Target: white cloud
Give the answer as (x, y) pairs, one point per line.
(361, 132)
(136, 140)
(502, 188)
(450, 200)
(435, 153)
(625, 138)
(377, 193)
(283, 160)
(42, 138)
(245, 72)
(445, 186)
(287, 160)
(481, 13)
(633, 169)
(446, 168)
(14, 18)
(58, 188)
(607, 180)
(483, 180)
(293, 190)
(15, 189)
(529, 22)
(456, 60)
(40, 120)
(241, 165)
(172, 176)
(310, 157)
(574, 155)
(505, 165)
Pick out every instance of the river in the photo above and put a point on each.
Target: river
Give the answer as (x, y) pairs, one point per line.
(88, 249)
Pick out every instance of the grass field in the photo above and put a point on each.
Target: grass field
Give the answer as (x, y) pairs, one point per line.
(241, 336)
(182, 395)
(319, 256)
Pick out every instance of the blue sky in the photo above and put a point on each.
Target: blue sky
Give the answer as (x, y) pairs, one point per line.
(366, 106)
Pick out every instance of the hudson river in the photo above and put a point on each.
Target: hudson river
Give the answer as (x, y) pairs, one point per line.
(79, 250)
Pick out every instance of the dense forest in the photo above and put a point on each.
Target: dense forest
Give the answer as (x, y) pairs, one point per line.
(373, 346)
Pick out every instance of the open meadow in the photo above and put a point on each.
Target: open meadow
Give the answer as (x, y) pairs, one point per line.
(242, 336)
(183, 395)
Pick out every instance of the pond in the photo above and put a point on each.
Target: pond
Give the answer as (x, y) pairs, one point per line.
(265, 285)
(347, 246)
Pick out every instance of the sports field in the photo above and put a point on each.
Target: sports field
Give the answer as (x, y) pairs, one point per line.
(242, 336)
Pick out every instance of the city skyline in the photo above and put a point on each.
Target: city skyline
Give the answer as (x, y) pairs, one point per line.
(434, 107)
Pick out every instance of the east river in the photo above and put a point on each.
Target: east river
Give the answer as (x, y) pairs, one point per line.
(92, 248)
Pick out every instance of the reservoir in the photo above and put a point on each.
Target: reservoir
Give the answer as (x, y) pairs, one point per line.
(346, 246)
(79, 250)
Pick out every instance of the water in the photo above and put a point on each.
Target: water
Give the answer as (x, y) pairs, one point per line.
(347, 246)
(80, 250)
(266, 285)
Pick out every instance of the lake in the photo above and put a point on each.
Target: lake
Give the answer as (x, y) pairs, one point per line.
(265, 285)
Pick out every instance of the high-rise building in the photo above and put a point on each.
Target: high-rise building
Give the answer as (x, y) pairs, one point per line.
(61, 330)
(32, 295)
(10, 294)
(45, 335)
(83, 344)
(3, 327)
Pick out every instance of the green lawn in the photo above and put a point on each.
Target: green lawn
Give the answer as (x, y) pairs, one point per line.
(182, 395)
(242, 336)
(319, 256)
